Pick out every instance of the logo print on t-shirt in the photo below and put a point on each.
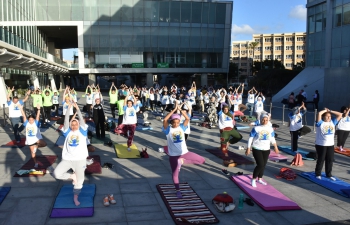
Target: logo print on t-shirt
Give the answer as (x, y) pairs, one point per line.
(177, 136)
(131, 112)
(30, 131)
(15, 107)
(264, 135)
(298, 118)
(328, 129)
(227, 118)
(73, 140)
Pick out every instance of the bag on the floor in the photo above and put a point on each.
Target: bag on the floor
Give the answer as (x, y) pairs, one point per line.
(298, 160)
(144, 153)
(223, 202)
(287, 174)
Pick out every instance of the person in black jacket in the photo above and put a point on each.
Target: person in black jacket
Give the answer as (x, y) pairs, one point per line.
(98, 116)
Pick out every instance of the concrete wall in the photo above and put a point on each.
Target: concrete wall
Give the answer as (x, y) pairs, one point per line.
(336, 90)
(310, 79)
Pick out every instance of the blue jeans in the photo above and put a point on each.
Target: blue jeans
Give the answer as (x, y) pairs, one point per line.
(250, 107)
(16, 127)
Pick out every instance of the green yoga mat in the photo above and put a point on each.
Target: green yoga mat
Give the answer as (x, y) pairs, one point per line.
(95, 140)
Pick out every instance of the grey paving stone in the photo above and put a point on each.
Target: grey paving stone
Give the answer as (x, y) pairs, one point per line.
(139, 199)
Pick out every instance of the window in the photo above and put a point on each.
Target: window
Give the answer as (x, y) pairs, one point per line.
(235, 52)
(243, 52)
(258, 48)
(278, 48)
(278, 56)
(289, 56)
(337, 16)
(257, 57)
(236, 45)
(243, 64)
(300, 47)
(278, 39)
(243, 45)
(300, 38)
(289, 39)
(268, 56)
(268, 48)
(289, 64)
(346, 14)
(289, 47)
(257, 39)
(268, 39)
(300, 56)
(318, 23)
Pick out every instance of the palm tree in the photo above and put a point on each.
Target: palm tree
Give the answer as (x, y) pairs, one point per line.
(253, 45)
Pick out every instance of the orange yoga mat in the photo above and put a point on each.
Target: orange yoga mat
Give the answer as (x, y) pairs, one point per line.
(346, 151)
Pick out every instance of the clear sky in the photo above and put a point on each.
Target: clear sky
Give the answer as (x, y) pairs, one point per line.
(267, 16)
(257, 17)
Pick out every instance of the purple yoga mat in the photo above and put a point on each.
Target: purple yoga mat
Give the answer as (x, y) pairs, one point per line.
(277, 157)
(79, 212)
(266, 196)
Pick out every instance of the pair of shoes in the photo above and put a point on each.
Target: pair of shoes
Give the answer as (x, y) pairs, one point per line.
(55, 116)
(224, 171)
(249, 201)
(109, 199)
(108, 166)
(241, 147)
(239, 173)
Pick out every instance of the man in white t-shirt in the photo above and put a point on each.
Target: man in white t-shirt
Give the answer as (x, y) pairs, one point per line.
(15, 114)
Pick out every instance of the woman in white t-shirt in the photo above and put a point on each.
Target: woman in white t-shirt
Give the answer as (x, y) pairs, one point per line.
(343, 128)
(177, 148)
(34, 139)
(324, 143)
(130, 119)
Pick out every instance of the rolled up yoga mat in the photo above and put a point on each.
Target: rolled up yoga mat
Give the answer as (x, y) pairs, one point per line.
(266, 196)
(288, 150)
(187, 210)
(64, 205)
(338, 186)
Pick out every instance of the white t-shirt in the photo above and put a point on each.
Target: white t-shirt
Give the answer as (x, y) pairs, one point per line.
(75, 146)
(130, 116)
(55, 99)
(325, 133)
(239, 98)
(32, 132)
(225, 121)
(14, 109)
(259, 105)
(165, 100)
(151, 97)
(65, 108)
(176, 140)
(261, 137)
(296, 121)
(88, 99)
(251, 98)
(344, 123)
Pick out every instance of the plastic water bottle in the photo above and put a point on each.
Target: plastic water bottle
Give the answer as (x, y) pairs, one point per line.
(240, 204)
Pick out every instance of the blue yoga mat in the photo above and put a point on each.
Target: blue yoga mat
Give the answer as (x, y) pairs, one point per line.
(196, 119)
(288, 150)
(335, 186)
(240, 127)
(3, 192)
(64, 199)
(144, 128)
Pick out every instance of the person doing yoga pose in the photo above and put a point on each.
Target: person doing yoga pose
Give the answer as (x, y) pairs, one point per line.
(177, 148)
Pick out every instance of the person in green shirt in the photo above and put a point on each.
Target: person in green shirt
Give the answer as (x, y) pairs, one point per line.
(47, 98)
(113, 98)
(37, 101)
(120, 104)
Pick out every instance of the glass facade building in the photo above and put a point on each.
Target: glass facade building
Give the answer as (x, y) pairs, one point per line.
(131, 36)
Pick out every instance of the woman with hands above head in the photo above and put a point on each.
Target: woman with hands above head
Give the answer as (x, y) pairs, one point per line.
(259, 143)
(74, 152)
(177, 148)
(324, 143)
(34, 140)
(343, 127)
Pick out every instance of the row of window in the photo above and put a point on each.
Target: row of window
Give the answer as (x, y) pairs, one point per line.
(341, 15)
(270, 48)
(280, 39)
(299, 56)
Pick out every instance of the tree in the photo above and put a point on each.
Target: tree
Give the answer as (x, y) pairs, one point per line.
(252, 46)
(299, 66)
(268, 64)
(233, 72)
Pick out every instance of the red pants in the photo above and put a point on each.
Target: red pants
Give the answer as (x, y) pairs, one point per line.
(124, 128)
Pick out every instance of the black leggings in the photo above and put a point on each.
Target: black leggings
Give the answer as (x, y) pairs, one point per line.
(342, 135)
(152, 104)
(47, 112)
(56, 109)
(120, 119)
(324, 154)
(112, 105)
(295, 136)
(260, 157)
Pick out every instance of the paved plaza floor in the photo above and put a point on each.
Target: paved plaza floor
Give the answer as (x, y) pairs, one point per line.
(133, 183)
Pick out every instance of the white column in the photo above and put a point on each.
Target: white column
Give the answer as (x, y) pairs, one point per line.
(3, 92)
(92, 79)
(149, 60)
(62, 87)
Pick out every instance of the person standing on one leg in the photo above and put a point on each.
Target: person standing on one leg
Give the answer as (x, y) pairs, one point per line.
(250, 101)
(74, 153)
(113, 98)
(343, 127)
(130, 119)
(55, 101)
(296, 127)
(15, 114)
(324, 143)
(34, 140)
(259, 141)
(177, 148)
(99, 118)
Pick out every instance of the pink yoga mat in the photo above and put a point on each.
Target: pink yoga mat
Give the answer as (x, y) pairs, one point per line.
(266, 196)
(277, 157)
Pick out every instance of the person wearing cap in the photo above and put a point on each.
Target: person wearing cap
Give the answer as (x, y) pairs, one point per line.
(259, 105)
(259, 143)
(228, 135)
(74, 153)
(343, 127)
(177, 148)
(15, 115)
(296, 127)
(324, 143)
(98, 115)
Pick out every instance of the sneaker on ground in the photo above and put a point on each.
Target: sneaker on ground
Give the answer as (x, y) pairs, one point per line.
(318, 177)
(332, 178)
(262, 182)
(253, 183)
(129, 149)
(48, 121)
(106, 201)
(55, 116)
(111, 199)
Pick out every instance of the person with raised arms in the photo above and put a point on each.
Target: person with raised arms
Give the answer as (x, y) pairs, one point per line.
(47, 103)
(113, 98)
(177, 148)
(74, 153)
